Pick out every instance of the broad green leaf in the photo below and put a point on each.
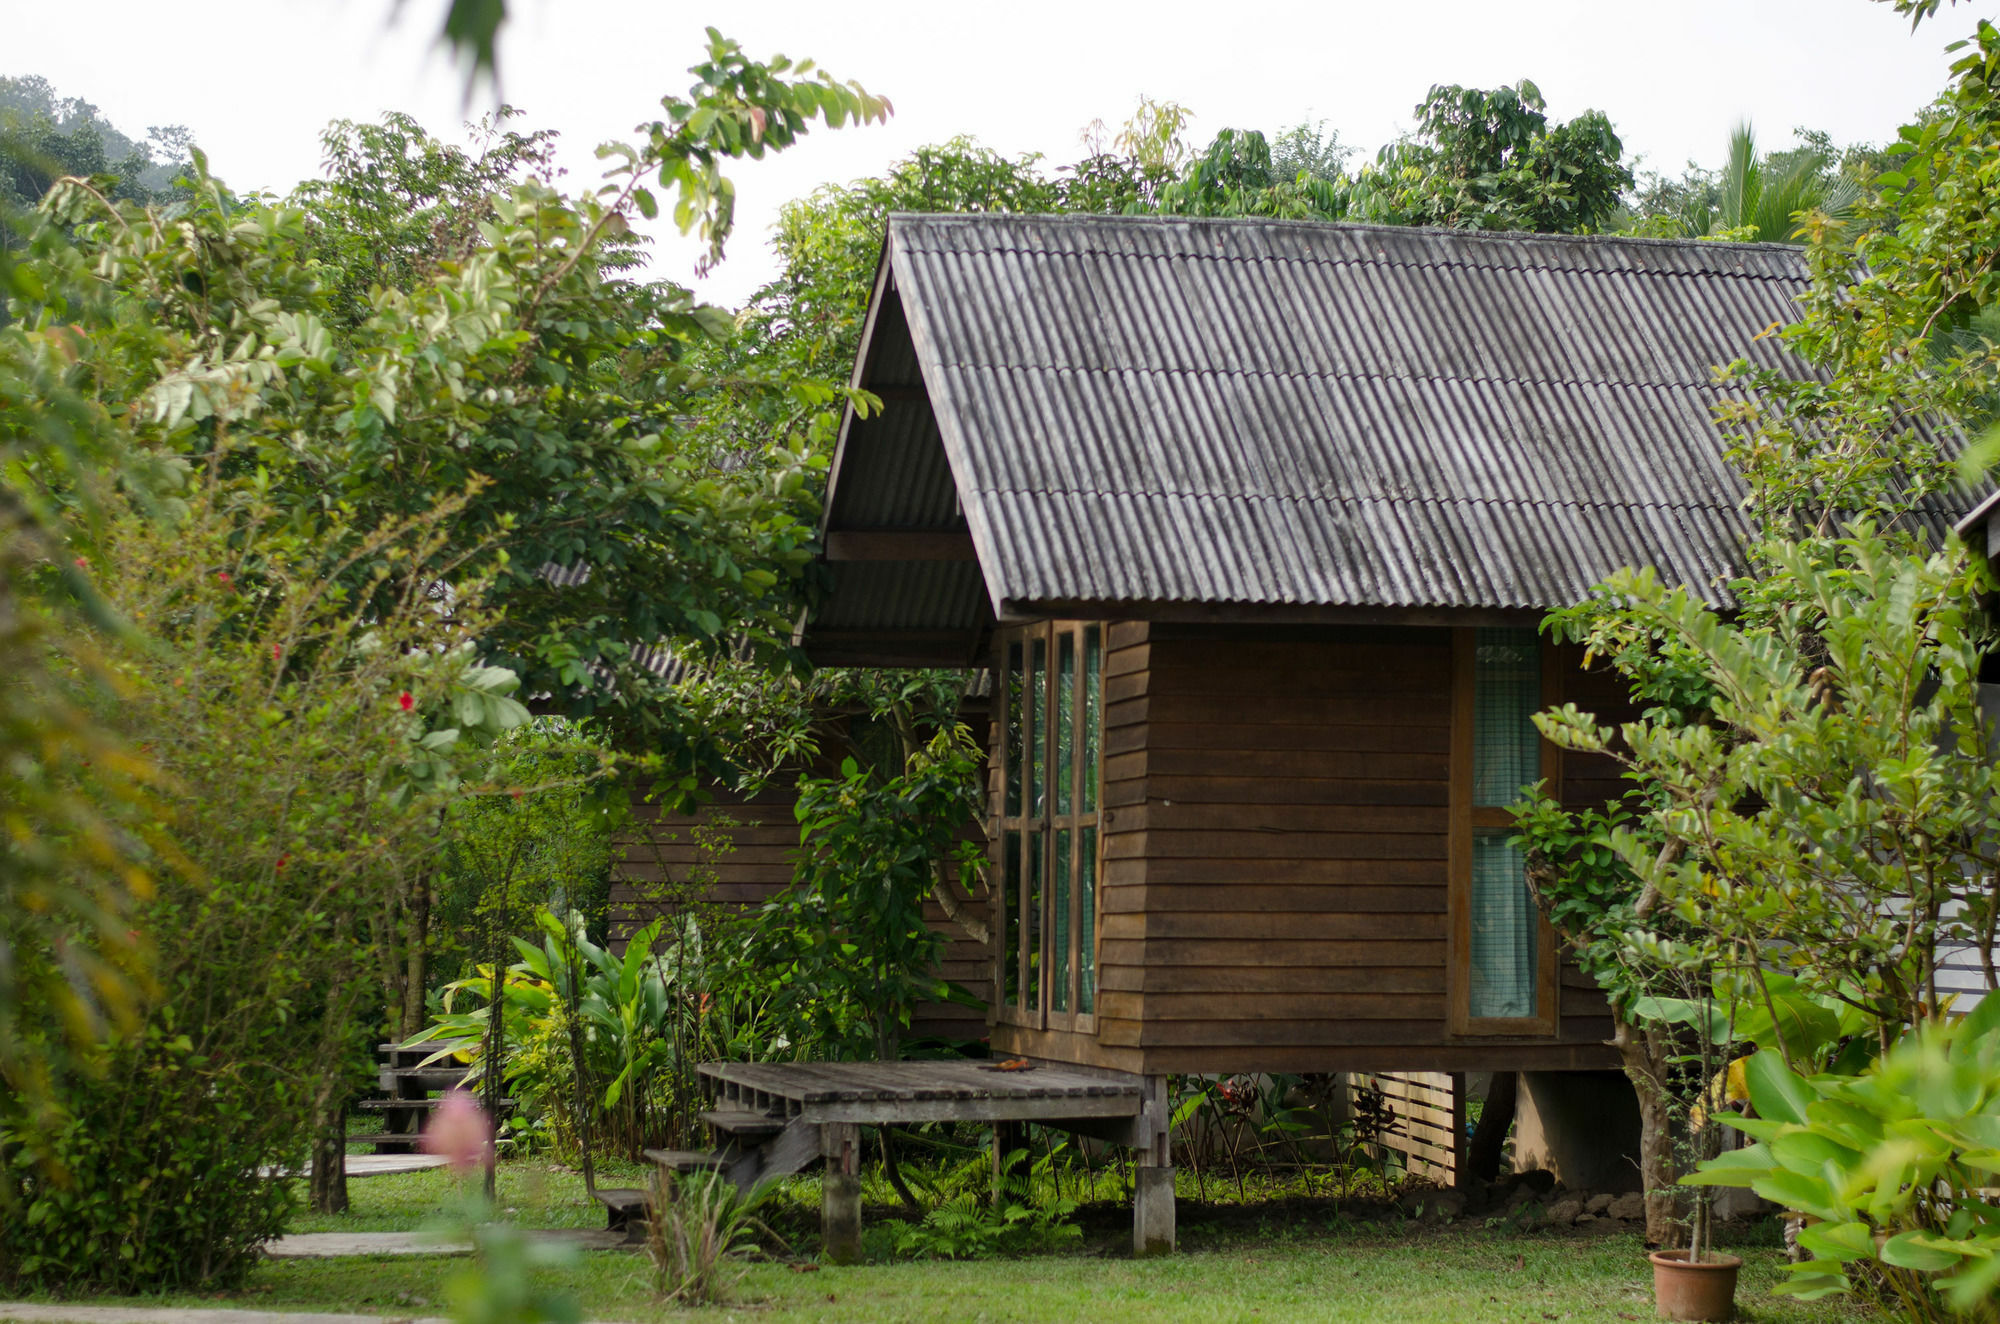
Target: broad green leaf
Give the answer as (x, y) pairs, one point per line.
(1777, 1091)
(1920, 1250)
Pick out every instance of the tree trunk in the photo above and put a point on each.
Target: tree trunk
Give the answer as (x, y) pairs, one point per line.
(579, 1067)
(327, 1187)
(1495, 1120)
(393, 975)
(1644, 1061)
(416, 964)
(492, 1060)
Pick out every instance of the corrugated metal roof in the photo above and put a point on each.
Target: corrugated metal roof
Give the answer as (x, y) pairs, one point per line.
(1174, 410)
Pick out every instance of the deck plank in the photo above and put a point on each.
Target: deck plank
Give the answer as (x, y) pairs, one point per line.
(885, 1093)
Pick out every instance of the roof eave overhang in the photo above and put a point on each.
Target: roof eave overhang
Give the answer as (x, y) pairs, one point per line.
(1268, 613)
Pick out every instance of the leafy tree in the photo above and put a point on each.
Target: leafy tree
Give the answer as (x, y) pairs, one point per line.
(1811, 794)
(1312, 149)
(1756, 197)
(44, 136)
(528, 373)
(397, 204)
(1490, 160)
(1239, 176)
(305, 741)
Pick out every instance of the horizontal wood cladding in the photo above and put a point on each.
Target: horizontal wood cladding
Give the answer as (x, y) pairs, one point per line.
(737, 853)
(1264, 980)
(1275, 857)
(1273, 899)
(1272, 928)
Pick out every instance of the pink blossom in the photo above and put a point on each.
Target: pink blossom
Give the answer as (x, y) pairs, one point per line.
(460, 1131)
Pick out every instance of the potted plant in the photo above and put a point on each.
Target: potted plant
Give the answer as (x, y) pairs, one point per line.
(1697, 1282)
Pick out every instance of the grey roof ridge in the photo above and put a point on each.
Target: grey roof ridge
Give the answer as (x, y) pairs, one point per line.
(1355, 498)
(1299, 260)
(1083, 219)
(1059, 368)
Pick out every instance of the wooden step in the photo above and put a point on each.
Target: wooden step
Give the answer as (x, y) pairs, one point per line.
(429, 1078)
(418, 1105)
(626, 1209)
(687, 1160)
(744, 1125)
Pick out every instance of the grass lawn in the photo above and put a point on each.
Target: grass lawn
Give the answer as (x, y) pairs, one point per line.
(1236, 1263)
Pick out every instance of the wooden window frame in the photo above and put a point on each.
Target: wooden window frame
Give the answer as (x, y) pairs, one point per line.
(1043, 827)
(1466, 818)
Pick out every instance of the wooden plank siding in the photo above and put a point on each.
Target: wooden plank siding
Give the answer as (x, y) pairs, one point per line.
(1275, 875)
(672, 861)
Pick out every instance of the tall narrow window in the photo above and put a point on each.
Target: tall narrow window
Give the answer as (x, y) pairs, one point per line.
(1052, 743)
(1505, 957)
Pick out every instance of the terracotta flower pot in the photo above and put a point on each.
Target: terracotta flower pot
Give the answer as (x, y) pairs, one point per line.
(1705, 1291)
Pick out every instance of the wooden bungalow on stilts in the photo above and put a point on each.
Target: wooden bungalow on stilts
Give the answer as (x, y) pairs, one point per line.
(1254, 522)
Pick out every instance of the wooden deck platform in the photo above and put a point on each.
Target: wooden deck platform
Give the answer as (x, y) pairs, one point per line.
(896, 1093)
(772, 1118)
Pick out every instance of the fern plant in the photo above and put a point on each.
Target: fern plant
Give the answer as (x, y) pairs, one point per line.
(964, 1228)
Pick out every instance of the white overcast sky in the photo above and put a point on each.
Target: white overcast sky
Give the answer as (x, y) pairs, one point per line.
(256, 80)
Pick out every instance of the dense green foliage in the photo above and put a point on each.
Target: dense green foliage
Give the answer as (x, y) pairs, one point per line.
(303, 745)
(317, 513)
(1757, 196)
(847, 949)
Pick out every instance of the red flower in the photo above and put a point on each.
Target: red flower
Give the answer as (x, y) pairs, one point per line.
(277, 651)
(222, 576)
(283, 860)
(405, 699)
(516, 792)
(82, 564)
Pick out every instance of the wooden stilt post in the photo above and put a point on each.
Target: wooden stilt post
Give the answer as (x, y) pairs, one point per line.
(1007, 1138)
(840, 1192)
(1153, 1175)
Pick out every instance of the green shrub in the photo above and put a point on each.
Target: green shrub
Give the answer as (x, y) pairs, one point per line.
(1890, 1164)
(158, 1184)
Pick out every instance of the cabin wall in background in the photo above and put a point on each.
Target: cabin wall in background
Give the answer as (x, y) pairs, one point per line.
(672, 858)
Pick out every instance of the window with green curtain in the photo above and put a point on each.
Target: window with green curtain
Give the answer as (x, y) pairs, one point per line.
(1506, 694)
(1505, 925)
(1506, 931)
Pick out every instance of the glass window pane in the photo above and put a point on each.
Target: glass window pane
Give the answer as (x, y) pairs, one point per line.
(1010, 910)
(1015, 729)
(1506, 930)
(1038, 729)
(1031, 987)
(1507, 692)
(1063, 714)
(1059, 926)
(1093, 713)
(1086, 923)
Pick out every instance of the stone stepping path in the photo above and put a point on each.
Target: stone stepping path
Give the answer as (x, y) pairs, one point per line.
(375, 1165)
(31, 1313)
(336, 1245)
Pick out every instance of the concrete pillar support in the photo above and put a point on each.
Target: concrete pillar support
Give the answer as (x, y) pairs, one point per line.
(840, 1192)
